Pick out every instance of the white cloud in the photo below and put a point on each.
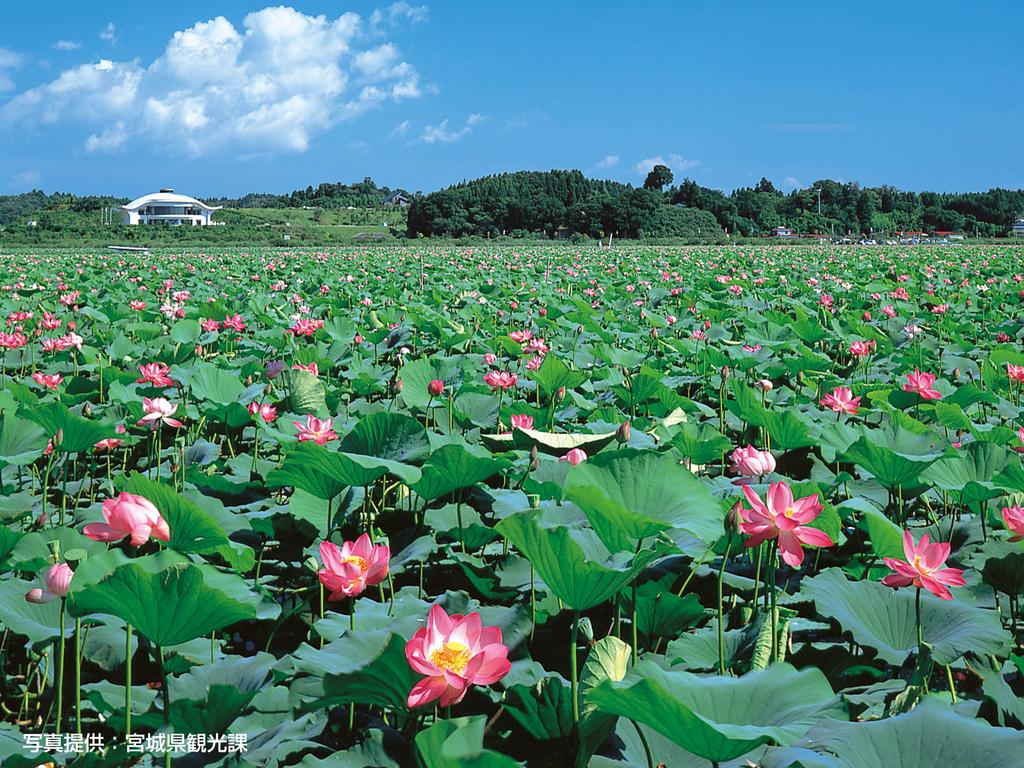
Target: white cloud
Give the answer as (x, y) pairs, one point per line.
(608, 161)
(791, 183)
(401, 129)
(216, 87)
(109, 33)
(396, 13)
(66, 45)
(433, 134)
(677, 163)
(8, 60)
(27, 179)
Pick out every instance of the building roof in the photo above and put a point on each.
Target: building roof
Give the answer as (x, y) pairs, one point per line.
(167, 197)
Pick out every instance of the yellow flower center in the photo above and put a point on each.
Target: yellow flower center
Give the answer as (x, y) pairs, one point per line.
(789, 512)
(920, 568)
(452, 656)
(358, 561)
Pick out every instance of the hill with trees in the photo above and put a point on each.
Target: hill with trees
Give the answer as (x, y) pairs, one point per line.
(557, 204)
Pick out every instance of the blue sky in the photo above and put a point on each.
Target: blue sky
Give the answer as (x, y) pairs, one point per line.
(229, 97)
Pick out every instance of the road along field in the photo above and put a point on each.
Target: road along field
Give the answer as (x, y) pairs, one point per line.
(495, 506)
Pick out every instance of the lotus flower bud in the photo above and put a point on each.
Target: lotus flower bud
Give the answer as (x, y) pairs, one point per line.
(622, 434)
(725, 372)
(579, 330)
(765, 385)
(654, 333)
(435, 388)
(58, 438)
(396, 387)
(87, 409)
(560, 395)
(533, 453)
(734, 518)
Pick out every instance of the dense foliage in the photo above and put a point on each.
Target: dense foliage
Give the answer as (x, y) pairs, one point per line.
(566, 200)
(465, 506)
(551, 203)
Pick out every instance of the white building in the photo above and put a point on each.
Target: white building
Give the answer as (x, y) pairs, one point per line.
(166, 207)
(1018, 227)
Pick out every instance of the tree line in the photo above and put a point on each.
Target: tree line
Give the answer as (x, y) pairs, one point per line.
(566, 203)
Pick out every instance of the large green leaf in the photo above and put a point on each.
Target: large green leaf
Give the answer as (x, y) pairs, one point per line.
(21, 441)
(608, 660)
(306, 392)
(325, 473)
(930, 735)
(208, 382)
(458, 743)
(37, 622)
(879, 617)
(572, 564)
(632, 494)
(970, 472)
(365, 667)
(392, 436)
(721, 718)
(452, 467)
(544, 710)
(77, 434)
(166, 597)
(890, 468)
(553, 374)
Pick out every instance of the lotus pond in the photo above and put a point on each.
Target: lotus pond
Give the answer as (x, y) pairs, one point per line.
(490, 506)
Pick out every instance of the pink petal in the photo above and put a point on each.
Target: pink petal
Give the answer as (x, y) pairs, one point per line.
(789, 546)
(814, 537)
(426, 690)
(102, 532)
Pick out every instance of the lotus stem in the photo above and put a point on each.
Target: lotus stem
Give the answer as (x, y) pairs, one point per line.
(127, 681)
(917, 615)
(167, 699)
(574, 675)
(721, 616)
(78, 674)
(60, 669)
(643, 742)
(952, 688)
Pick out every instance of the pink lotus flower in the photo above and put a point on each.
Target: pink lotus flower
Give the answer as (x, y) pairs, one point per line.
(841, 400)
(435, 388)
(1015, 372)
(520, 336)
(108, 444)
(129, 515)
(921, 384)
(1014, 519)
(48, 380)
(265, 411)
(490, 358)
(158, 410)
(521, 421)
(923, 567)
(156, 374)
(319, 431)
(234, 321)
(209, 325)
(137, 305)
(454, 652)
(751, 462)
(575, 456)
(58, 582)
(357, 565)
(862, 348)
(784, 519)
(502, 380)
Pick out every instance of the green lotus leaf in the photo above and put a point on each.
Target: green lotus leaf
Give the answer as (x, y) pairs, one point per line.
(884, 619)
(722, 718)
(573, 563)
(631, 494)
(167, 598)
